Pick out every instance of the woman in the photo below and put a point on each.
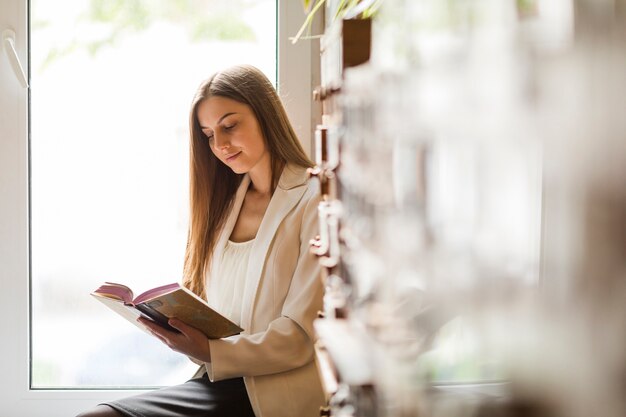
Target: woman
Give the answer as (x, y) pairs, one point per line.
(253, 211)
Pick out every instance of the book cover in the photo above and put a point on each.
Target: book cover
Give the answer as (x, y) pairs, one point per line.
(165, 302)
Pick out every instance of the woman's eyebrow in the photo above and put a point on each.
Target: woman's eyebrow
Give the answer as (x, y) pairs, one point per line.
(225, 116)
(220, 119)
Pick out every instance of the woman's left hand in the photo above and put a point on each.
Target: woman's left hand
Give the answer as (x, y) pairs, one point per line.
(190, 341)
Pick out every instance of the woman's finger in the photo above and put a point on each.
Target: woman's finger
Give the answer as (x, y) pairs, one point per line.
(180, 326)
(155, 328)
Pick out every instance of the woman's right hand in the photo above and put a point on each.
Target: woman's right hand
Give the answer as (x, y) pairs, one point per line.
(190, 341)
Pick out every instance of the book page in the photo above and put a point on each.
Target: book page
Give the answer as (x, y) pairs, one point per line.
(117, 291)
(128, 312)
(155, 292)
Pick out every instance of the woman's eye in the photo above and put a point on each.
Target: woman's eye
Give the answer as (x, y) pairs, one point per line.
(209, 137)
(229, 127)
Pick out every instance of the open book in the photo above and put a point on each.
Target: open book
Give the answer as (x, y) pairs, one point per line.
(165, 302)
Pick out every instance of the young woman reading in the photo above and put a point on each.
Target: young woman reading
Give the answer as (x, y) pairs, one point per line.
(253, 211)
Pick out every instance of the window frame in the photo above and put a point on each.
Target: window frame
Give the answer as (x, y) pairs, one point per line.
(297, 72)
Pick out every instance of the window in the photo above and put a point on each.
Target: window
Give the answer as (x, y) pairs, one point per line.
(111, 83)
(93, 142)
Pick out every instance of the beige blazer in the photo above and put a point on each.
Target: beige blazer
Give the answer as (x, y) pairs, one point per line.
(275, 353)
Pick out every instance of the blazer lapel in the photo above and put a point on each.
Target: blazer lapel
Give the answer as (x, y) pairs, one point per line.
(290, 190)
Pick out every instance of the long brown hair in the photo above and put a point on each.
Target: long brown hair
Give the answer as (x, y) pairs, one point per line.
(212, 185)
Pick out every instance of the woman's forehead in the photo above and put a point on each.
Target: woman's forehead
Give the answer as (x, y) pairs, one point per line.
(210, 111)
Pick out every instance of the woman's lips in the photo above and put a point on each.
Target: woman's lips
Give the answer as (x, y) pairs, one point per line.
(232, 157)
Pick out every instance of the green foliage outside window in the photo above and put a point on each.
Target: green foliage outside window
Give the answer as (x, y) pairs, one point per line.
(206, 20)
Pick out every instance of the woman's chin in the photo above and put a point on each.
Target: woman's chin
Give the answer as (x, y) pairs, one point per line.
(239, 169)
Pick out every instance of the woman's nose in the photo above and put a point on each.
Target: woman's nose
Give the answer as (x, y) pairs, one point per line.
(221, 142)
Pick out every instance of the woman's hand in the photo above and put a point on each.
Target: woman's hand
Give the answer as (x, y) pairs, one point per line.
(190, 341)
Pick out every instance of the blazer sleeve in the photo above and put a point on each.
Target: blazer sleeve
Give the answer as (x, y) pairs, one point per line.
(287, 343)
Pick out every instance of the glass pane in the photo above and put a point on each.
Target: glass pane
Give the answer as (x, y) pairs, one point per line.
(112, 81)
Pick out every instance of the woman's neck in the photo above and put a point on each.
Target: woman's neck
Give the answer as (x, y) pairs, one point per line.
(261, 177)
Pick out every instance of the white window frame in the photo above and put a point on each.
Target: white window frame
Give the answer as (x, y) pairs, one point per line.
(297, 73)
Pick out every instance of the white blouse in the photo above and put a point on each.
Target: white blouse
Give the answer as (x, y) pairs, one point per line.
(225, 290)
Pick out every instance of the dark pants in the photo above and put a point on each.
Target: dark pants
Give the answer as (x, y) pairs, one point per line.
(196, 397)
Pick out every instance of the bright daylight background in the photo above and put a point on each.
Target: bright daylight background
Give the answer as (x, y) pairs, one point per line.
(112, 81)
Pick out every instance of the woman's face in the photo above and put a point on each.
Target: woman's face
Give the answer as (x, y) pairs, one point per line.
(233, 133)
